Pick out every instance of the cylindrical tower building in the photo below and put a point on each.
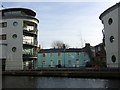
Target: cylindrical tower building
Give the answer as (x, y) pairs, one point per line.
(111, 21)
(19, 39)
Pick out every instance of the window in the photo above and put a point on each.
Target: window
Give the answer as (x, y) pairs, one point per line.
(43, 62)
(112, 39)
(15, 24)
(113, 58)
(69, 54)
(51, 63)
(3, 37)
(0, 25)
(59, 54)
(69, 62)
(77, 53)
(51, 54)
(44, 55)
(110, 21)
(59, 61)
(85, 54)
(14, 49)
(14, 36)
(102, 22)
(4, 24)
(99, 48)
(77, 62)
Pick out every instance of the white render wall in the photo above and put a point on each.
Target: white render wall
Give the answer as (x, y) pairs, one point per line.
(14, 60)
(3, 51)
(112, 30)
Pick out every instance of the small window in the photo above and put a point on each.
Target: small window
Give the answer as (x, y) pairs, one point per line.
(4, 24)
(112, 39)
(51, 61)
(0, 25)
(69, 62)
(85, 54)
(3, 37)
(59, 61)
(77, 54)
(44, 55)
(69, 54)
(113, 59)
(77, 61)
(43, 62)
(51, 54)
(59, 54)
(102, 22)
(14, 49)
(14, 36)
(99, 49)
(110, 21)
(15, 24)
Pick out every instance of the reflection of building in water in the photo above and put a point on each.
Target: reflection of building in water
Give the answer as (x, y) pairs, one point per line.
(111, 21)
(18, 38)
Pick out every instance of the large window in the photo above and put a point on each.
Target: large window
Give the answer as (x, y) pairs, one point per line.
(11, 13)
(28, 51)
(3, 37)
(30, 26)
(28, 40)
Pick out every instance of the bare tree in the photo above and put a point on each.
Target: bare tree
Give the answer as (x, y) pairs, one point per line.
(59, 44)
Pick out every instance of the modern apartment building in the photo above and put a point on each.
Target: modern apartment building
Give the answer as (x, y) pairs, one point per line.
(18, 39)
(111, 21)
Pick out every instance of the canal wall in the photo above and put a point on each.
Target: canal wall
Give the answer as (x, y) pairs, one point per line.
(82, 73)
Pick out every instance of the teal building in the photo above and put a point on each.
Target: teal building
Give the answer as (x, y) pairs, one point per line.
(62, 58)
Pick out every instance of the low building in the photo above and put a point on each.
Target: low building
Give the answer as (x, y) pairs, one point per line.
(100, 55)
(71, 57)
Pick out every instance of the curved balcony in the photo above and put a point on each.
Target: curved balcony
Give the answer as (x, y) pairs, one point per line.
(29, 33)
(26, 44)
(29, 56)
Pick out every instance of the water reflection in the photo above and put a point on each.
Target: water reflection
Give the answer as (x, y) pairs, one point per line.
(57, 82)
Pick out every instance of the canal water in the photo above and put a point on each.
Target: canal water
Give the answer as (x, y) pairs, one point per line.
(57, 82)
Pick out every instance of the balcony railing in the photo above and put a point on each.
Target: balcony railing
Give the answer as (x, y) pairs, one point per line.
(29, 56)
(29, 32)
(30, 43)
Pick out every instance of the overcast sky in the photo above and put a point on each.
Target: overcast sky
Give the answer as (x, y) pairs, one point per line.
(74, 23)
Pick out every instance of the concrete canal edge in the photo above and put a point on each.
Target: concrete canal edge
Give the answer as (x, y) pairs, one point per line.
(80, 74)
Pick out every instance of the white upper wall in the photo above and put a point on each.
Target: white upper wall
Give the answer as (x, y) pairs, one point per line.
(112, 30)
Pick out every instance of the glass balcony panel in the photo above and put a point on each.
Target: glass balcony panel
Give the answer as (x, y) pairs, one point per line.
(30, 26)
